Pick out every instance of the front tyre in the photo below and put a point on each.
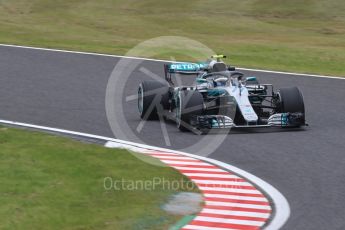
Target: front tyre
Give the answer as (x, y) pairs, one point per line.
(188, 104)
(290, 100)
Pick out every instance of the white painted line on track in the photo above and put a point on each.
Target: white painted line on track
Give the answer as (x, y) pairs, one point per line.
(200, 169)
(160, 60)
(170, 157)
(235, 213)
(211, 175)
(222, 189)
(229, 204)
(212, 182)
(160, 153)
(291, 73)
(237, 197)
(185, 163)
(194, 227)
(230, 221)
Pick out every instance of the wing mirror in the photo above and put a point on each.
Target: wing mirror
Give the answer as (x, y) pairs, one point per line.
(252, 79)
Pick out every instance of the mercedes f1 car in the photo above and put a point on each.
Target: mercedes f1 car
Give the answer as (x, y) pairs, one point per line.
(220, 98)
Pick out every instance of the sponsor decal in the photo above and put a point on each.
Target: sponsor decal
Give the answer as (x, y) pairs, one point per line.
(186, 66)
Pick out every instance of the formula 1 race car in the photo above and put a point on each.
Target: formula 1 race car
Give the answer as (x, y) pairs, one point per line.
(220, 98)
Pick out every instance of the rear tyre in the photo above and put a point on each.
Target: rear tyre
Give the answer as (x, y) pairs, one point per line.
(153, 98)
(188, 104)
(291, 101)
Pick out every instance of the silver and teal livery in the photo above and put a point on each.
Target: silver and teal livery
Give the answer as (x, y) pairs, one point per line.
(220, 97)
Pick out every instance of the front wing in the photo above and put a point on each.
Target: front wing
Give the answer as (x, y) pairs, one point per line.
(225, 122)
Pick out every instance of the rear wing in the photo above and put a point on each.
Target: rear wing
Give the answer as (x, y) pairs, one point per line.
(183, 68)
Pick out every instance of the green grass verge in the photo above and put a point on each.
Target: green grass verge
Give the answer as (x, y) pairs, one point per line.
(51, 182)
(302, 36)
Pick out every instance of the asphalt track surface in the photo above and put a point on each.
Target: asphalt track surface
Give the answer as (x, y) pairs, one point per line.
(67, 91)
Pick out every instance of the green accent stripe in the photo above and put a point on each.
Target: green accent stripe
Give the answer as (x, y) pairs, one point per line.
(183, 222)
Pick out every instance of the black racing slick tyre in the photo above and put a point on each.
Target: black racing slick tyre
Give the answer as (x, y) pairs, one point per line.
(291, 101)
(188, 104)
(153, 98)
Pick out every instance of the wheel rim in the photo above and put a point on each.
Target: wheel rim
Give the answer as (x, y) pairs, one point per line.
(178, 111)
(140, 100)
